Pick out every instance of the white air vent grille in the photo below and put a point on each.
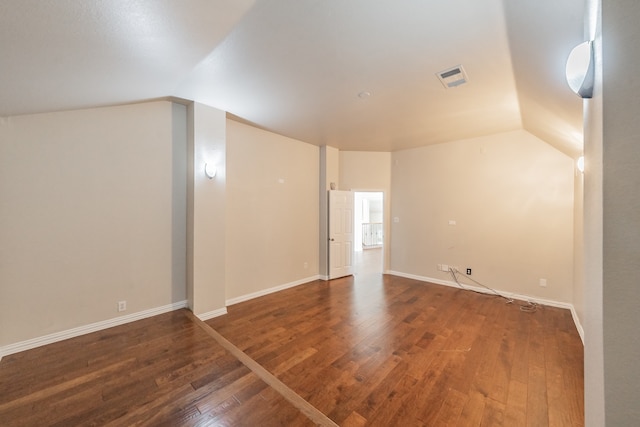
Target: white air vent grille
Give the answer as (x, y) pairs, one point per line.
(452, 77)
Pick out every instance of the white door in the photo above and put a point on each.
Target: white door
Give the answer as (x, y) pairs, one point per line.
(340, 233)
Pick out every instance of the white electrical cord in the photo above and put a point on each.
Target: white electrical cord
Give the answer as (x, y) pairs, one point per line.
(529, 307)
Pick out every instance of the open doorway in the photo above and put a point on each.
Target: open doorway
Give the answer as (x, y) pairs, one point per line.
(368, 236)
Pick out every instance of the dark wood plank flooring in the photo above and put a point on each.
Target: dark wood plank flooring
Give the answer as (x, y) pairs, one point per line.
(161, 371)
(371, 350)
(383, 350)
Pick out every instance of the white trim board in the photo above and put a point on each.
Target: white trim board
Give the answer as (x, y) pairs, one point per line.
(272, 290)
(211, 314)
(86, 329)
(520, 297)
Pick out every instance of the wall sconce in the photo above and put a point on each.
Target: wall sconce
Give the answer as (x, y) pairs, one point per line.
(580, 164)
(210, 170)
(580, 70)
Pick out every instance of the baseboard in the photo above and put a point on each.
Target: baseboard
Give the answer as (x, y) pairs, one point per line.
(271, 290)
(82, 330)
(576, 321)
(521, 297)
(212, 314)
(98, 326)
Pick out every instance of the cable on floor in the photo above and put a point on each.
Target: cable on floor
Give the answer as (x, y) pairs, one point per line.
(528, 307)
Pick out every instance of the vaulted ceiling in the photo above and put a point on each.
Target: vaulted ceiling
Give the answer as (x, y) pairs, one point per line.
(356, 75)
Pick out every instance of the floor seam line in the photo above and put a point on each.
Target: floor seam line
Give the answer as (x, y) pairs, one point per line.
(294, 398)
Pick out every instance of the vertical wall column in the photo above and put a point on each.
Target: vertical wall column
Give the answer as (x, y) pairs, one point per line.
(329, 172)
(620, 207)
(206, 222)
(591, 307)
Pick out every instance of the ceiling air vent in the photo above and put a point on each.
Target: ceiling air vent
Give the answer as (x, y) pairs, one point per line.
(452, 77)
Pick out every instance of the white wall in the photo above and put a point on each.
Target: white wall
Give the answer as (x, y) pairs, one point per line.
(511, 196)
(272, 210)
(92, 208)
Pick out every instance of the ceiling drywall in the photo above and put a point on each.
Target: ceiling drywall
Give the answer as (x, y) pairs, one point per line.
(67, 54)
(356, 75)
(541, 34)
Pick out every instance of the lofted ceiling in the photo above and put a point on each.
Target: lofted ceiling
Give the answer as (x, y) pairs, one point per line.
(356, 75)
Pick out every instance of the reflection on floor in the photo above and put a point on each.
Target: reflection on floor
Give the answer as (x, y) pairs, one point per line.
(368, 261)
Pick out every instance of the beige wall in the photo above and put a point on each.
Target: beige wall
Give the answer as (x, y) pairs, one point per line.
(362, 171)
(578, 299)
(206, 251)
(332, 167)
(329, 172)
(511, 196)
(272, 210)
(591, 316)
(621, 211)
(90, 208)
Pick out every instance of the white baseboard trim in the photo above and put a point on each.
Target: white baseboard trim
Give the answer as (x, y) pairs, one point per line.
(576, 321)
(520, 297)
(212, 314)
(86, 329)
(271, 290)
(325, 278)
(98, 326)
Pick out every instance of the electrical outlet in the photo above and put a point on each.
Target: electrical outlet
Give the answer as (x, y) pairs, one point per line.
(468, 272)
(543, 283)
(122, 306)
(445, 267)
(306, 265)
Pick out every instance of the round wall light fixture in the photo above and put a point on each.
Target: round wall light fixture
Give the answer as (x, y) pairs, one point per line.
(210, 170)
(580, 70)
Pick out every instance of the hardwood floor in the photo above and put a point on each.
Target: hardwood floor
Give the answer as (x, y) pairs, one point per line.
(371, 350)
(162, 371)
(368, 261)
(393, 351)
